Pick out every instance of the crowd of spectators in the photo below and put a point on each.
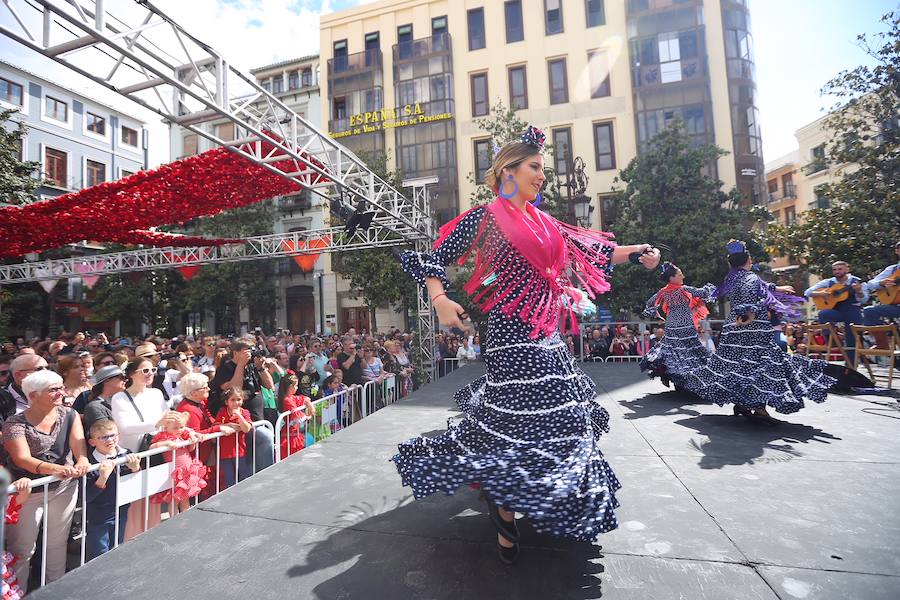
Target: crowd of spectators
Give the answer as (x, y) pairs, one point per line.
(86, 399)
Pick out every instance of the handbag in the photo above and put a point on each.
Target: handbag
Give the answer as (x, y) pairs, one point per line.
(147, 438)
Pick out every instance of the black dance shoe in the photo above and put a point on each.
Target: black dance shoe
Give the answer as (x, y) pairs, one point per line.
(740, 411)
(507, 529)
(508, 556)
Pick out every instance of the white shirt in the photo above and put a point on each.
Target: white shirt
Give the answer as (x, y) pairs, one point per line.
(465, 354)
(131, 427)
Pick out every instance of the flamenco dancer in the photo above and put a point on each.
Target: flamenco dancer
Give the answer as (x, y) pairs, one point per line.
(680, 350)
(748, 368)
(531, 426)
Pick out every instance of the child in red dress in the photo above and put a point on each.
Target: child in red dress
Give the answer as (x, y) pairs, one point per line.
(233, 448)
(189, 474)
(9, 585)
(301, 407)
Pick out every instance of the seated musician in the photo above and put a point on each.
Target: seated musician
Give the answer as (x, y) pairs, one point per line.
(886, 280)
(847, 311)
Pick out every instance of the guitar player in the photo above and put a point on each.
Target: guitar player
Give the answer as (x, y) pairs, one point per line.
(873, 315)
(847, 311)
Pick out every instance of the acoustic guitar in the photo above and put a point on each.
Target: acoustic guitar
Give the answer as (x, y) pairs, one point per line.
(890, 295)
(832, 296)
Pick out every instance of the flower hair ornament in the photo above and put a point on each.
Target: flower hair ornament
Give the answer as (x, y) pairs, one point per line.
(534, 137)
(736, 247)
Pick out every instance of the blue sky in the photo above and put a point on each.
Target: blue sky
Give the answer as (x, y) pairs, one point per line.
(799, 45)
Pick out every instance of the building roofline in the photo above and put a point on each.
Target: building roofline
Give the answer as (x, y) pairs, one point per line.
(84, 95)
(283, 63)
(369, 8)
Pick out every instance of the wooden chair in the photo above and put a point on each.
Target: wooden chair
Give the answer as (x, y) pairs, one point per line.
(887, 332)
(833, 344)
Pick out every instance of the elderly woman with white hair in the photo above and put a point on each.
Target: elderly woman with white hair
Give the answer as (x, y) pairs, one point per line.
(45, 439)
(194, 388)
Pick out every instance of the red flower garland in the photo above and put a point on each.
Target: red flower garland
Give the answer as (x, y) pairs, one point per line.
(118, 211)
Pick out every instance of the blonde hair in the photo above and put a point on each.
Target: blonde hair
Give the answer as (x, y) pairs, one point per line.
(172, 415)
(510, 156)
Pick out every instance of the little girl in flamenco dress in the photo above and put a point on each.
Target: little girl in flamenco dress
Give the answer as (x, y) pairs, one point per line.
(189, 475)
(10, 584)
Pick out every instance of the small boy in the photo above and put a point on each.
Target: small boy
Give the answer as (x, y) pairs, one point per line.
(100, 492)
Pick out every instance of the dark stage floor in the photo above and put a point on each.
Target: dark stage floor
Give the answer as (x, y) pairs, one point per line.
(713, 507)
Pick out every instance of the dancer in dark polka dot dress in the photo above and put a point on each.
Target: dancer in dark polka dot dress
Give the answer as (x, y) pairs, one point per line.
(748, 368)
(531, 426)
(680, 350)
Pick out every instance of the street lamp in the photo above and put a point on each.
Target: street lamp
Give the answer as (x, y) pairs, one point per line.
(576, 181)
(582, 209)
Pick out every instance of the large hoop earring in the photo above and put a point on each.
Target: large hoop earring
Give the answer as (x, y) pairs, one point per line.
(537, 200)
(512, 193)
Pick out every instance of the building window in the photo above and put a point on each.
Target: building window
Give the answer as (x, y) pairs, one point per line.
(515, 27)
(339, 109)
(818, 153)
(277, 84)
(126, 173)
(372, 48)
(306, 78)
(191, 144)
(609, 210)
(95, 123)
(822, 201)
(604, 147)
(598, 63)
(129, 136)
(56, 167)
(339, 50)
(482, 159)
(776, 216)
(95, 173)
(404, 41)
(266, 85)
(594, 13)
(669, 57)
(293, 80)
(559, 87)
(225, 131)
(553, 17)
(480, 106)
(790, 215)
(56, 109)
(475, 19)
(11, 92)
(773, 186)
(518, 88)
(562, 150)
(439, 25)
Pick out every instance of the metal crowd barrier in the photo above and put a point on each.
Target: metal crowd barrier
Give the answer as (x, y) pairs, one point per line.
(644, 330)
(132, 487)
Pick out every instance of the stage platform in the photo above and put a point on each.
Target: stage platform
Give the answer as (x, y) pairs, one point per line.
(714, 507)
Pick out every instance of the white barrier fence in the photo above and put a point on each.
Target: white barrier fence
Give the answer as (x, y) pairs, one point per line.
(330, 414)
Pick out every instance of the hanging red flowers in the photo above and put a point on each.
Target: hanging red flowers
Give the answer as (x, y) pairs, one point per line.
(121, 211)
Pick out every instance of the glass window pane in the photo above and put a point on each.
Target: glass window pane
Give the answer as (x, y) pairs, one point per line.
(518, 94)
(475, 18)
(594, 12)
(515, 30)
(604, 148)
(559, 92)
(479, 95)
(599, 70)
(553, 18)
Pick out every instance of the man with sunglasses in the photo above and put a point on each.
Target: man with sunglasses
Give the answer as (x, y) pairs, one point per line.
(12, 399)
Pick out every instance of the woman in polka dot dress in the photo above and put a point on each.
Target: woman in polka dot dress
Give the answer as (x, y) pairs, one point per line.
(531, 426)
(680, 350)
(748, 368)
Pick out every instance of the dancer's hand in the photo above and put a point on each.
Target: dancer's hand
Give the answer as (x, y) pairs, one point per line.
(450, 314)
(745, 320)
(650, 257)
(785, 289)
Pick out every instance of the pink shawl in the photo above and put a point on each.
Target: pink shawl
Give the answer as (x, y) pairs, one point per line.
(561, 257)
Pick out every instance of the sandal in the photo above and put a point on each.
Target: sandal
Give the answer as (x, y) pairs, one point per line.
(508, 555)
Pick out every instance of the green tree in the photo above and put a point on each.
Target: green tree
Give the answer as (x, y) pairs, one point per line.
(18, 184)
(375, 274)
(669, 198)
(863, 217)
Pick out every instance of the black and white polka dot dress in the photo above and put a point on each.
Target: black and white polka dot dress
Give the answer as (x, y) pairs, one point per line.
(748, 368)
(680, 350)
(531, 426)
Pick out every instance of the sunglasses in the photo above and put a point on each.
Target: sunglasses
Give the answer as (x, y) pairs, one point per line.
(109, 437)
(148, 370)
(211, 344)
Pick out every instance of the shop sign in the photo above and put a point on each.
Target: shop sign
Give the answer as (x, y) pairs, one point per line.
(389, 118)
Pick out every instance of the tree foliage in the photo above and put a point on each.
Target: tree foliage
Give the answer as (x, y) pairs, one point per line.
(863, 219)
(669, 198)
(18, 185)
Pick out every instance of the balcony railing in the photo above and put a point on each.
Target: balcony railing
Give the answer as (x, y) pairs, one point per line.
(787, 192)
(435, 44)
(815, 166)
(360, 61)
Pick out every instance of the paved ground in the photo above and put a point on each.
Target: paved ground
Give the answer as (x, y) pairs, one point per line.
(713, 507)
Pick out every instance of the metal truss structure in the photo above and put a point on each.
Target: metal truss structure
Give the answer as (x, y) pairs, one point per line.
(144, 55)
